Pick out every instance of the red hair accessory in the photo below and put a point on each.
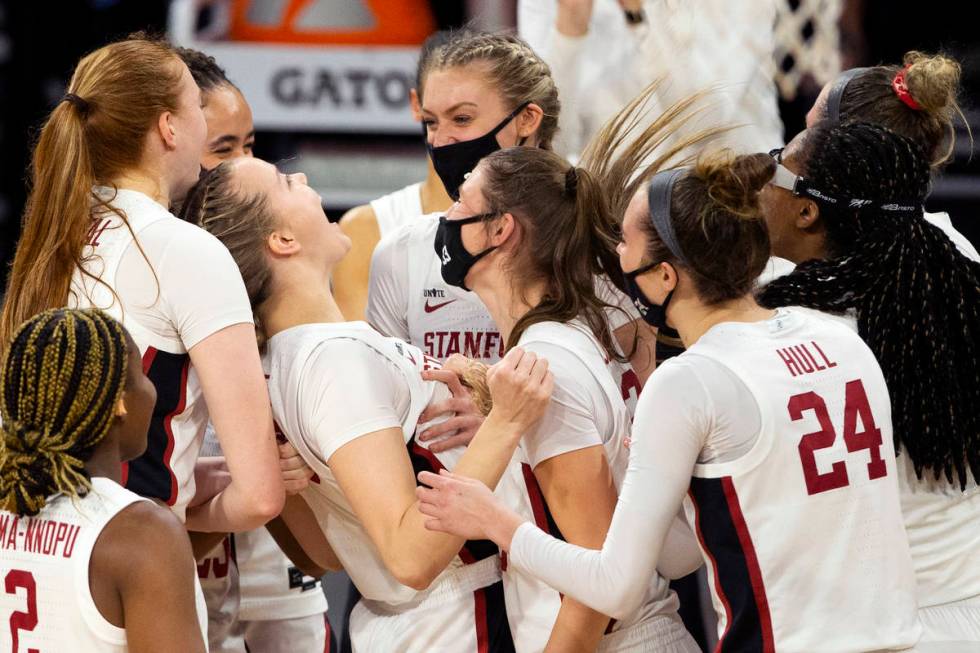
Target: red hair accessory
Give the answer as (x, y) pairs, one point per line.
(902, 90)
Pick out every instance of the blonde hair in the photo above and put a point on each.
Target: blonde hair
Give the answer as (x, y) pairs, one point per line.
(511, 66)
(93, 135)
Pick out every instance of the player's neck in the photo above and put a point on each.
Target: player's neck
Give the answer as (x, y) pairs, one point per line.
(140, 181)
(693, 319)
(505, 303)
(433, 194)
(105, 460)
(294, 304)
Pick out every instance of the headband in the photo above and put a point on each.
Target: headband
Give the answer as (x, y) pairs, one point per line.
(837, 91)
(659, 196)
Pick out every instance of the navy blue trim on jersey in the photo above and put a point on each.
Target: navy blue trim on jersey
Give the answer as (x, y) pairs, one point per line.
(424, 460)
(498, 637)
(150, 474)
(737, 579)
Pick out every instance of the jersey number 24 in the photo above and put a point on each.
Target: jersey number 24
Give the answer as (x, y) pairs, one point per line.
(856, 407)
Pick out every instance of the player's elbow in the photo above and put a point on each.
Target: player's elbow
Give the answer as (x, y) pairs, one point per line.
(414, 573)
(621, 604)
(266, 505)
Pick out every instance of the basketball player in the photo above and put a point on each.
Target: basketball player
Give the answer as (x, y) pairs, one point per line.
(528, 235)
(480, 92)
(75, 404)
(917, 100)
(350, 400)
(122, 145)
(914, 297)
(230, 130)
(367, 224)
(772, 430)
(255, 594)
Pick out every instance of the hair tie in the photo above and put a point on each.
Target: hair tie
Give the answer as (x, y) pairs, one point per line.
(78, 102)
(902, 89)
(571, 181)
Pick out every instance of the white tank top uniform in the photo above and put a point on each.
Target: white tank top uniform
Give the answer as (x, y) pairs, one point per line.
(395, 209)
(408, 299)
(185, 289)
(942, 526)
(333, 383)
(589, 408)
(45, 564)
(219, 576)
(799, 524)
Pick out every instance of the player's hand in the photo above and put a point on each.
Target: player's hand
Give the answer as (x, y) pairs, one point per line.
(573, 17)
(521, 387)
(465, 418)
(464, 507)
(296, 474)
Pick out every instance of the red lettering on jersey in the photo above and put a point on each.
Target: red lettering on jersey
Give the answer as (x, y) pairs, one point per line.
(70, 542)
(801, 359)
(95, 230)
(823, 355)
(427, 343)
(453, 347)
(790, 362)
(50, 530)
(471, 343)
(5, 521)
(31, 539)
(219, 563)
(60, 534)
(493, 342)
(27, 621)
(429, 363)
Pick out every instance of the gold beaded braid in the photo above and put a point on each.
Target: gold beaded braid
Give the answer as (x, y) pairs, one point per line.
(62, 376)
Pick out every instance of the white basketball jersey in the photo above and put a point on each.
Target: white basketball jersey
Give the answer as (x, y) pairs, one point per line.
(166, 470)
(812, 510)
(44, 561)
(395, 209)
(442, 319)
(287, 354)
(536, 604)
(272, 587)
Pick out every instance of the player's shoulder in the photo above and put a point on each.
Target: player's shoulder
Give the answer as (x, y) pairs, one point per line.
(139, 537)
(359, 219)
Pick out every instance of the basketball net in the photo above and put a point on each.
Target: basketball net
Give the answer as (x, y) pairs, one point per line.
(807, 43)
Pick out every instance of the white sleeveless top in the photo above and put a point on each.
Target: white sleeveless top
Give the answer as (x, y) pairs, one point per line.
(45, 563)
(333, 383)
(186, 289)
(395, 209)
(806, 527)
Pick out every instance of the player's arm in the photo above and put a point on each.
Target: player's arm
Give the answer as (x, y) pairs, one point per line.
(227, 364)
(376, 475)
(301, 538)
(643, 359)
(144, 556)
(581, 495)
(351, 274)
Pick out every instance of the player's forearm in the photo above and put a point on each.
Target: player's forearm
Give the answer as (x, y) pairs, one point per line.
(416, 555)
(578, 629)
(237, 509)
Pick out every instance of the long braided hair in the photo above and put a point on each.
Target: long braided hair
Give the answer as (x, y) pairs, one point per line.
(62, 375)
(916, 298)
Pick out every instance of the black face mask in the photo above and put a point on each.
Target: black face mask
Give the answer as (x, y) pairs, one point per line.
(453, 161)
(653, 314)
(456, 261)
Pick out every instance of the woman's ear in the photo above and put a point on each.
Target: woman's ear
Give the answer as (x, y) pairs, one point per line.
(501, 229)
(529, 120)
(808, 215)
(668, 276)
(282, 243)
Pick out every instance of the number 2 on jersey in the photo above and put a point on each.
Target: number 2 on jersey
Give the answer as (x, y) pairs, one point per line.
(17, 578)
(856, 407)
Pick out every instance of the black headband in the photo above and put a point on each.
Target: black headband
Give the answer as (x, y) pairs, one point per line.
(658, 194)
(837, 91)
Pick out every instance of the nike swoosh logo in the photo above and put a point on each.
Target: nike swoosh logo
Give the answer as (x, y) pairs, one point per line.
(435, 307)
